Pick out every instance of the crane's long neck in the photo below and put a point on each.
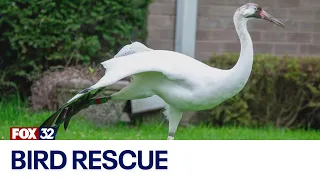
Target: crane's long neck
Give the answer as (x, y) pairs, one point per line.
(241, 71)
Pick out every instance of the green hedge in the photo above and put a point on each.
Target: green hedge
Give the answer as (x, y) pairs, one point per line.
(35, 35)
(281, 91)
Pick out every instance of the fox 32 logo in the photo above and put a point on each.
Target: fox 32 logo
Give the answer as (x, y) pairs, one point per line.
(32, 133)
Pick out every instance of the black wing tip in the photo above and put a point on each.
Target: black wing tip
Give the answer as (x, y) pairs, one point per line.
(50, 121)
(62, 115)
(66, 123)
(84, 91)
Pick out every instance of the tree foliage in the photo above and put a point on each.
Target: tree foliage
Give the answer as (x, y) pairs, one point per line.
(35, 35)
(281, 91)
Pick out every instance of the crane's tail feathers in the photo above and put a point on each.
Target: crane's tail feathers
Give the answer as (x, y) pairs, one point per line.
(80, 101)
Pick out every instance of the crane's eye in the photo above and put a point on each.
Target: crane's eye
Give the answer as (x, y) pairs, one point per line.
(259, 9)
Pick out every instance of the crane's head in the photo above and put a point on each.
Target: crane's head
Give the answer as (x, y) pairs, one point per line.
(252, 10)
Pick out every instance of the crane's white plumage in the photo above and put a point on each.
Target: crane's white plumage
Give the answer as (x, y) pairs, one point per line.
(184, 83)
(178, 79)
(132, 48)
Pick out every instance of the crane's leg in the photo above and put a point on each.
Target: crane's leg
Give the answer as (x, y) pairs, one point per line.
(174, 116)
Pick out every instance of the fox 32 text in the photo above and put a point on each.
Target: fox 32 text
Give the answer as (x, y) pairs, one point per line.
(32, 133)
(93, 159)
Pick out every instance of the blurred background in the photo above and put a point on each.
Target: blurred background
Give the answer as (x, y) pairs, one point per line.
(50, 50)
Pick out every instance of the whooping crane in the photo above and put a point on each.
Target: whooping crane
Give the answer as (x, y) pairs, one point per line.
(185, 84)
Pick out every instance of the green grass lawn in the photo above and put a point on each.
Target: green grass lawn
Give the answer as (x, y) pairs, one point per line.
(16, 113)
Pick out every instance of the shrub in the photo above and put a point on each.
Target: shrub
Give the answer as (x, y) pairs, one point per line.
(281, 91)
(35, 35)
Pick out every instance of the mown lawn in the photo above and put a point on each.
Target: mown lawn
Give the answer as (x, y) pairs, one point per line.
(15, 113)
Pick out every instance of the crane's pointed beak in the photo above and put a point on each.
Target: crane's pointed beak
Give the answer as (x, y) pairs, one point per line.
(266, 16)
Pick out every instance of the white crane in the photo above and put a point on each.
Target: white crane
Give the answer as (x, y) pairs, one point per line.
(184, 83)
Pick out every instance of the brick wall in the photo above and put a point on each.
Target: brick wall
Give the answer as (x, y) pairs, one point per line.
(215, 29)
(161, 24)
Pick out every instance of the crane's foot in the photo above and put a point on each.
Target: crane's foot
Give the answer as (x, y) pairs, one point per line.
(170, 138)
